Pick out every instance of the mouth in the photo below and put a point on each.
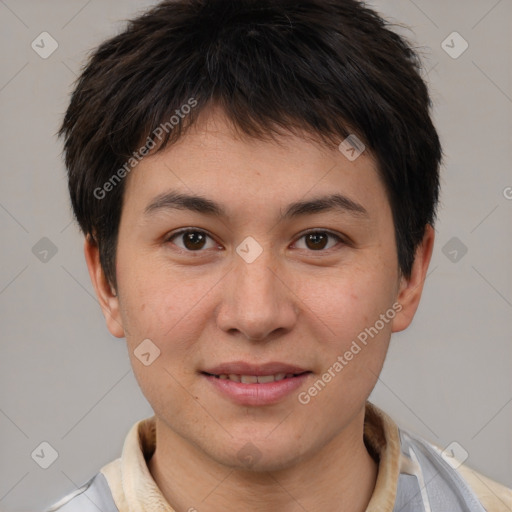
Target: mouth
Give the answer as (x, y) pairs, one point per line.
(255, 385)
(255, 379)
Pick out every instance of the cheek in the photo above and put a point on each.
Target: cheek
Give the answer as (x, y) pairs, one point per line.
(163, 305)
(145, 292)
(347, 302)
(351, 361)
(352, 340)
(156, 309)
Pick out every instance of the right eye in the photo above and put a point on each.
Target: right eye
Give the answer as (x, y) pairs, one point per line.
(193, 240)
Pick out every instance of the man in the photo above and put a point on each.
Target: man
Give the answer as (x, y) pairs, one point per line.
(257, 183)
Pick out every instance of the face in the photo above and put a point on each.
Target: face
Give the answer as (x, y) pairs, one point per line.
(248, 284)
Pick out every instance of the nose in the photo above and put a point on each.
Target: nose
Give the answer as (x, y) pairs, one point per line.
(257, 299)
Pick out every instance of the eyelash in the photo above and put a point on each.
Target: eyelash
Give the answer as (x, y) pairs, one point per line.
(172, 236)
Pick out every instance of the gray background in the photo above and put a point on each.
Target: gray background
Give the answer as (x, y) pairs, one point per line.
(66, 381)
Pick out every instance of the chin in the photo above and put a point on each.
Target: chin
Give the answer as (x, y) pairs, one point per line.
(264, 464)
(259, 457)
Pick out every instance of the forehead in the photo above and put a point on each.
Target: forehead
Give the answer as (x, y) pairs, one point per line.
(213, 162)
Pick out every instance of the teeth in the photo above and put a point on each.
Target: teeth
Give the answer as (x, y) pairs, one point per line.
(253, 379)
(266, 378)
(248, 379)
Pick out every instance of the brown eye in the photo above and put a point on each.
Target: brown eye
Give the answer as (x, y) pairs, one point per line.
(318, 240)
(191, 240)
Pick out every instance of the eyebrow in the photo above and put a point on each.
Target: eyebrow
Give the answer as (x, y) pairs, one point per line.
(178, 201)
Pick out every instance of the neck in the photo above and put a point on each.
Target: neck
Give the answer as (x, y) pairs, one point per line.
(340, 476)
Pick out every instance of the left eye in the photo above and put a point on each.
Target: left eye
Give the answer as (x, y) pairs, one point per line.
(195, 240)
(318, 240)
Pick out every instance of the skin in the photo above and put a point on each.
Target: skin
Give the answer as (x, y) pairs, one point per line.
(295, 303)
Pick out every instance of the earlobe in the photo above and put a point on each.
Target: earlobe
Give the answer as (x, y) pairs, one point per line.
(107, 296)
(410, 290)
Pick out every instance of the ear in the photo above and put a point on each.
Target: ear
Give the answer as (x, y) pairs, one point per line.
(107, 297)
(409, 292)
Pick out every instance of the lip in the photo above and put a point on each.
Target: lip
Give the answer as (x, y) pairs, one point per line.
(256, 394)
(244, 368)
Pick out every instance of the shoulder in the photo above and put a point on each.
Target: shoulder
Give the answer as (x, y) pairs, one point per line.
(94, 495)
(444, 474)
